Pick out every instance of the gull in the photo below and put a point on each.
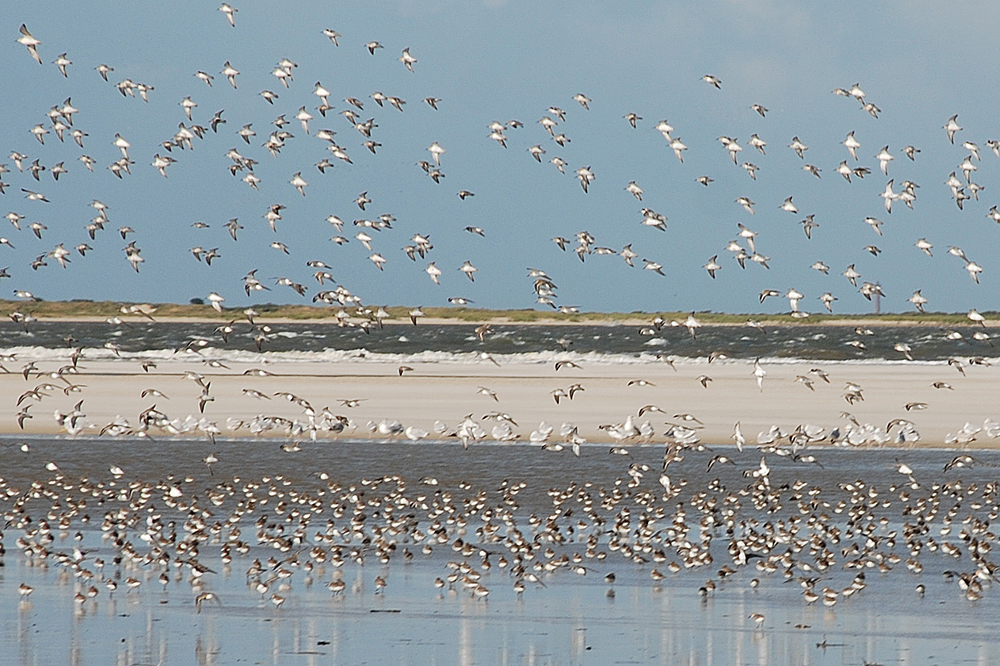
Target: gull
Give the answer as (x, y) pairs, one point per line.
(692, 324)
(103, 71)
(39, 133)
(802, 379)
(482, 390)
(678, 147)
(61, 62)
(230, 13)
(856, 92)
(852, 145)
(322, 93)
(304, 117)
(34, 196)
(634, 190)
(653, 266)
(628, 254)
(30, 42)
(230, 73)
(828, 300)
(875, 224)
(747, 205)
(748, 234)
(883, 160)
(951, 127)
(582, 100)
(715, 81)
(794, 297)
(967, 168)
(845, 171)
(738, 437)
(653, 219)
(60, 254)
(974, 270)
(789, 206)
(407, 59)
(925, 246)
(122, 145)
(798, 146)
(161, 163)
(436, 151)
(808, 225)
(299, 183)
(216, 301)
(500, 138)
(732, 146)
(188, 105)
(888, 196)
(469, 270)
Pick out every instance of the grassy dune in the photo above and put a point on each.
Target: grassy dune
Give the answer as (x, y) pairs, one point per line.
(86, 309)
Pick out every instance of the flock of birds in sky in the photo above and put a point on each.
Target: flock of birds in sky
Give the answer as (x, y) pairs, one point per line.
(250, 144)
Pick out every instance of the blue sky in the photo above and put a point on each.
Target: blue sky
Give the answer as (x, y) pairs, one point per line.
(498, 61)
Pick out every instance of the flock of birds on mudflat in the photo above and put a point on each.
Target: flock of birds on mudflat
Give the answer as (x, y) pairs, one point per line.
(739, 528)
(744, 248)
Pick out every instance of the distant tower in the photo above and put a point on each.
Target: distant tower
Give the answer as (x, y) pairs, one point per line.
(878, 298)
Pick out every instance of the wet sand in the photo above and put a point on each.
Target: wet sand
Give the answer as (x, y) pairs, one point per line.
(449, 392)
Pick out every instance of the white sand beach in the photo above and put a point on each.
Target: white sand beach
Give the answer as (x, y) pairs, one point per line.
(448, 392)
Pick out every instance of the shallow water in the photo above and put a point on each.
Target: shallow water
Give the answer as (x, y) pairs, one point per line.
(571, 619)
(458, 343)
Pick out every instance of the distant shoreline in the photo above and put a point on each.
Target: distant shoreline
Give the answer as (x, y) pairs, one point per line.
(90, 311)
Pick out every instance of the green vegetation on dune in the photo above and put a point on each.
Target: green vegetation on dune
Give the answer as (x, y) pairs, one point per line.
(103, 309)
